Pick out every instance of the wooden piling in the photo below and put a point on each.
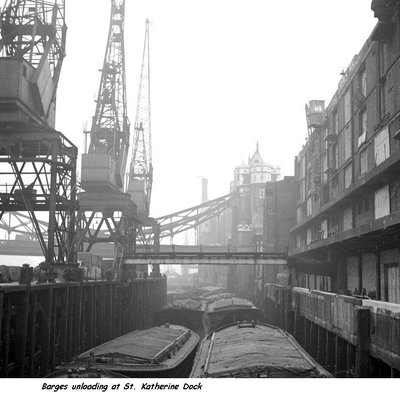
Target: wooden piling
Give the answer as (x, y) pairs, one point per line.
(1, 321)
(313, 344)
(7, 319)
(363, 341)
(22, 313)
(350, 358)
(32, 336)
(51, 323)
(321, 349)
(306, 335)
(330, 351)
(340, 357)
(90, 306)
(46, 298)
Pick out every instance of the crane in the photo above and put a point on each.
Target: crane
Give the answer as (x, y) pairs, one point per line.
(104, 166)
(38, 165)
(106, 213)
(141, 169)
(33, 34)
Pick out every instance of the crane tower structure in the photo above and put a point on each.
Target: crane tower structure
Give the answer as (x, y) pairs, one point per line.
(38, 163)
(109, 135)
(108, 214)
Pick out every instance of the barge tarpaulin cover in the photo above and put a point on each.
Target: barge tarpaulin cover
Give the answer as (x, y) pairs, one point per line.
(251, 350)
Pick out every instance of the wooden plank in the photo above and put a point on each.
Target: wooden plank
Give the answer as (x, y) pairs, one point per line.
(22, 308)
(110, 312)
(100, 326)
(307, 333)
(79, 319)
(32, 337)
(46, 303)
(321, 345)
(350, 358)
(330, 351)
(91, 311)
(313, 345)
(6, 338)
(65, 355)
(1, 321)
(53, 324)
(340, 357)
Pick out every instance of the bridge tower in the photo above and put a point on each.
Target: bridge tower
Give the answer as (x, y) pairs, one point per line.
(38, 163)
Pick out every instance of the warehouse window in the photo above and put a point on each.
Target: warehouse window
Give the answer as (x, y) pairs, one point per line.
(392, 283)
(382, 202)
(347, 106)
(348, 176)
(382, 149)
(363, 81)
(347, 143)
(363, 162)
(362, 131)
(336, 122)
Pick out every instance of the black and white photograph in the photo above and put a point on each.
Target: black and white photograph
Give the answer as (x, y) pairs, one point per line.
(197, 190)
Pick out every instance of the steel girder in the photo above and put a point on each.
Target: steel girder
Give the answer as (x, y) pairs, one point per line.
(38, 177)
(34, 33)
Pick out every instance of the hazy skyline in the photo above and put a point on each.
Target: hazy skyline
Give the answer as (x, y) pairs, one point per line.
(224, 75)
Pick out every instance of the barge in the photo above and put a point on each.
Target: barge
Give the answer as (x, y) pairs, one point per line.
(250, 350)
(230, 310)
(162, 351)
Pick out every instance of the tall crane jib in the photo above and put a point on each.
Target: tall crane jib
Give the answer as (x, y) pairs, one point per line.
(32, 49)
(141, 170)
(104, 166)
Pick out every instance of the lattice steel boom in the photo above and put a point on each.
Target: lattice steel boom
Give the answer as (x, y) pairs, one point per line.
(109, 134)
(141, 169)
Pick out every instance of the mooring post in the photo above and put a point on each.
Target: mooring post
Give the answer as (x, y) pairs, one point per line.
(363, 341)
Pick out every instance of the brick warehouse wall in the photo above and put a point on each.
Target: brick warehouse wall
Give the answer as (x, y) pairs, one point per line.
(349, 217)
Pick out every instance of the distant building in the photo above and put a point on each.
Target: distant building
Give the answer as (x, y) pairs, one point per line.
(279, 214)
(248, 217)
(211, 234)
(346, 237)
(248, 212)
(279, 219)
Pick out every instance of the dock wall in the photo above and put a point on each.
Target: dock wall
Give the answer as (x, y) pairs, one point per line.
(42, 325)
(350, 337)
